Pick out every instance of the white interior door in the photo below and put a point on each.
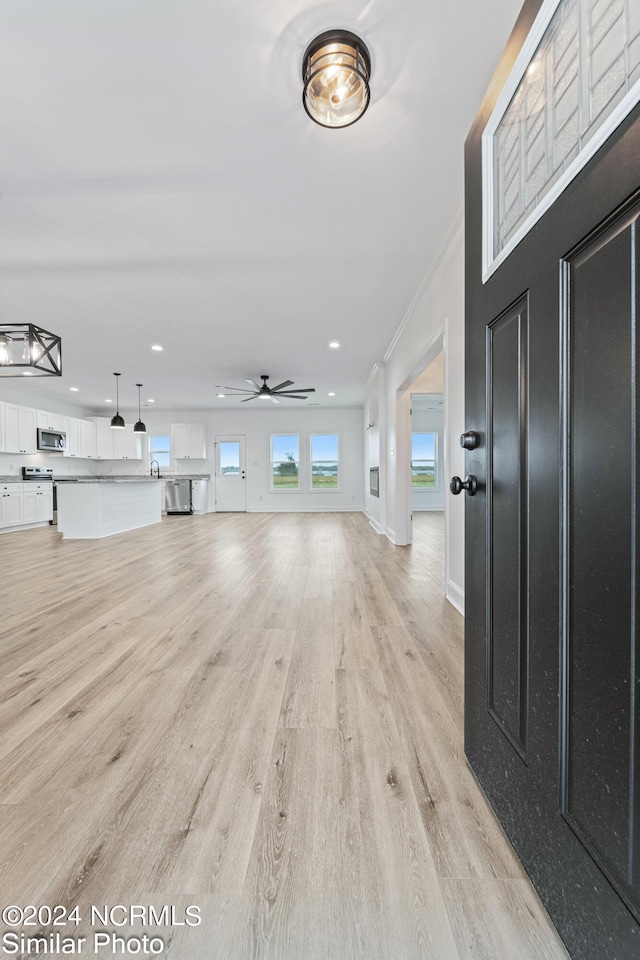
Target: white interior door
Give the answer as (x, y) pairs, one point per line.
(231, 490)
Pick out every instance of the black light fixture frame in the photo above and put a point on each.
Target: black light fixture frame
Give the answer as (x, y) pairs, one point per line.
(44, 351)
(117, 422)
(139, 427)
(362, 58)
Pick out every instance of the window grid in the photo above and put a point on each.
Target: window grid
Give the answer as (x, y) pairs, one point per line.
(587, 61)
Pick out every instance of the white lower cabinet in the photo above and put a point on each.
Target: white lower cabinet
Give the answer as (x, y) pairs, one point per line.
(11, 504)
(37, 503)
(200, 496)
(25, 503)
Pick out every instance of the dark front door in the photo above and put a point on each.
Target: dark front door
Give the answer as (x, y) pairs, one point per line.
(552, 652)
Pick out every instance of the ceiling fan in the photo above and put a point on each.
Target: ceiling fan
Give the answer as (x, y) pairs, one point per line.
(270, 393)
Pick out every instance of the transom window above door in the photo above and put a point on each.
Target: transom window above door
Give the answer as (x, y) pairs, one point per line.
(576, 79)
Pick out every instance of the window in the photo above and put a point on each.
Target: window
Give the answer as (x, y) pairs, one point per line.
(324, 461)
(577, 77)
(285, 461)
(229, 454)
(424, 461)
(160, 449)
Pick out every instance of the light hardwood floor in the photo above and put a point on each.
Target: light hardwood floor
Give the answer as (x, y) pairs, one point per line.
(261, 715)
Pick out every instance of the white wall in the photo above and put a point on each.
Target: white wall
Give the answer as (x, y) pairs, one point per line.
(256, 426)
(434, 320)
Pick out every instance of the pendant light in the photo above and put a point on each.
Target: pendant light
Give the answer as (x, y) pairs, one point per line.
(139, 427)
(117, 422)
(28, 350)
(336, 68)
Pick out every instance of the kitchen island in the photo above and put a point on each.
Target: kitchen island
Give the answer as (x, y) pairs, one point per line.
(89, 509)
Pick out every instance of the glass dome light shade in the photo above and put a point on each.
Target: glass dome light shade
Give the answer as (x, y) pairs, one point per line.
(336, 68)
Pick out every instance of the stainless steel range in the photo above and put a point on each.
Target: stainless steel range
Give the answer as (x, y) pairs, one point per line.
(37, 473)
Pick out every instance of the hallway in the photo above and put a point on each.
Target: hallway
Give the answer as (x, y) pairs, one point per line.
(257, 714)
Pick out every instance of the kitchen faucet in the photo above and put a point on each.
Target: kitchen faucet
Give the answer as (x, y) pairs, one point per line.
(157, 473)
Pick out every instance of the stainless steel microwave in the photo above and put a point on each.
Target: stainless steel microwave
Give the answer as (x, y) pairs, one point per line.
(51, 439)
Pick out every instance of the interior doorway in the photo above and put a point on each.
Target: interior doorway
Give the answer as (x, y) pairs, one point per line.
(426, 469)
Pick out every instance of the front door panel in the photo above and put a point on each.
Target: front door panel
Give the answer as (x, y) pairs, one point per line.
(600, 791)
(552, 693)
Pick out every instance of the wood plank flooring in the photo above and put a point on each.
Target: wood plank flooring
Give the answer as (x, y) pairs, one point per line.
(257, 714)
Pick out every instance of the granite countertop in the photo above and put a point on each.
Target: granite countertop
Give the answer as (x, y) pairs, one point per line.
(113, 478)
(129, 478)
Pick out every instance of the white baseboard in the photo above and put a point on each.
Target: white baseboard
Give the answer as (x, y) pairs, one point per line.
(374, 523)
(356, 508)
(455, 596)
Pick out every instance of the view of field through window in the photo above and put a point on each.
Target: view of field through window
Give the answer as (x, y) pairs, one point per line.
(423, 460)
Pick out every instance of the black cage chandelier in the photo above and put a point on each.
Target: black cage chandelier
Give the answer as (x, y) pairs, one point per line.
(27, 350)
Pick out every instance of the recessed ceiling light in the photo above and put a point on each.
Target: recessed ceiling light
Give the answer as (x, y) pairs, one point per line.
(108, 401)
(156, 346)
(220, 395)
(334, 344)
(150, 400)
(74, 389)
(332, 394)
(27, 373)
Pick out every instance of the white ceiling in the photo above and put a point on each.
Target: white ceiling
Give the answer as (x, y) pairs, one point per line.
(160, 182)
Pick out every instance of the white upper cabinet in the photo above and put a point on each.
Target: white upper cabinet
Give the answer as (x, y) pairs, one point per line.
(72, 428)
(126, 444)
(20, 429)
(188, 441)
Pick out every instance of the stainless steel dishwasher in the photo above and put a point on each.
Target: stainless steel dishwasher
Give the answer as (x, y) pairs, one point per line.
(177, 496)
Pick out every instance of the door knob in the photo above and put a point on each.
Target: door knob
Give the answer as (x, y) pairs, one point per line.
(470, 484)
(469, 440)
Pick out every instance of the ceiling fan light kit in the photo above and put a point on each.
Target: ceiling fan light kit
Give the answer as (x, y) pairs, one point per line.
(269, 393)
(336, 69)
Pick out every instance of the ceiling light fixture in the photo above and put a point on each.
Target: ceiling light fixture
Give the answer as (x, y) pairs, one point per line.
(336, 68)
(23, 345)
(117, 422)
(74, 389)
(139, 427)
(157, 347)
(334, 345)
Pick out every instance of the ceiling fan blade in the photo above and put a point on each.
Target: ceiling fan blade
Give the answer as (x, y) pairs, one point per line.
(285, 393)
(237, 389)
(273, 400)
(293, 396)
(252, 397)
(256, 385)
(285, 383)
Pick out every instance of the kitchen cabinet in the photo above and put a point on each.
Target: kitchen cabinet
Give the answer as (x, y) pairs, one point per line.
(72, 428)
(37, 502)
(188, 441)
(10, 504)
(200, 496)
(110, 444)
(88, 439)
(19, 429)
(126, 444)
(49, 421)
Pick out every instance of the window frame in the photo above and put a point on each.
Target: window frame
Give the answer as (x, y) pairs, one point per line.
(338, 487)
(272, 487)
